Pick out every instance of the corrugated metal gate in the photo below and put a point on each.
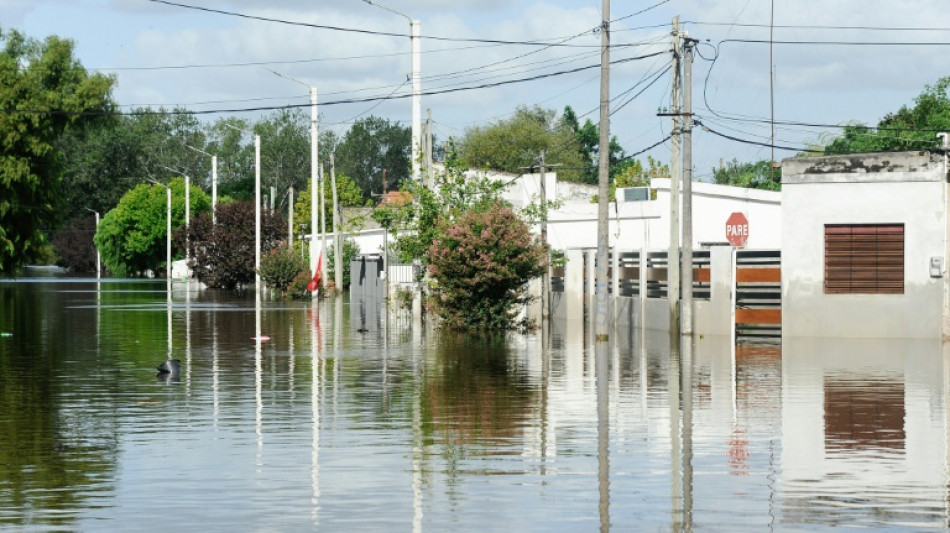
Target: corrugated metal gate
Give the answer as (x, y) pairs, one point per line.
(758, 294)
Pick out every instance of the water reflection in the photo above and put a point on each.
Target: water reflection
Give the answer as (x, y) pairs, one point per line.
(878, 453)
(405, 428)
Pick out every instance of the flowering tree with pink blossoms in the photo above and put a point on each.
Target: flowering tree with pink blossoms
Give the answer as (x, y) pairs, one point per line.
(480, 263)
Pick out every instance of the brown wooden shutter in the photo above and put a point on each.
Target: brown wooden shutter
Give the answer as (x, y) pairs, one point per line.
(864, 259)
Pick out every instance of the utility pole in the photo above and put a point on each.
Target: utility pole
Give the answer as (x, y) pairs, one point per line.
(337, 230)
(214, 190)
(323, 227)
(415, 39)
(687, 315)
(257, 212)
(603, 172)
(546, 278)
(673, 254)
(385, 243)
(314, 179)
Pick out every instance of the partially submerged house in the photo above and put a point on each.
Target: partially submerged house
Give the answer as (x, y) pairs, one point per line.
(865, 245)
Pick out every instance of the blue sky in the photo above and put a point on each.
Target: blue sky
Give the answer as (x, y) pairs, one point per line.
(228, 60)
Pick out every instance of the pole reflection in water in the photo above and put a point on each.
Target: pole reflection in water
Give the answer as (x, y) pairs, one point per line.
(215, 373)
(314, 312)
(418, 377)
(602, 356)
(686, 347)
(258, 385)
(673, 378)
(545, 376)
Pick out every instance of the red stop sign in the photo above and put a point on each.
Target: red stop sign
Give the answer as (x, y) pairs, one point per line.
(737, 230)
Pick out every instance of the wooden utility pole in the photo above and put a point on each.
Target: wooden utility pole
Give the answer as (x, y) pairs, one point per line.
(687, 314)
(601, 302)
(673, 254)
(337, 234)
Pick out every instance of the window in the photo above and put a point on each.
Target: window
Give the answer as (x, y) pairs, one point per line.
(864, 259)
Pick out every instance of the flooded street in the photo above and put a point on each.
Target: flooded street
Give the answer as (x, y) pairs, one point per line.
(339, 416)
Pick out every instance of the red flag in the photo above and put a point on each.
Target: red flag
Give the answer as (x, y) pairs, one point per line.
(315, 282)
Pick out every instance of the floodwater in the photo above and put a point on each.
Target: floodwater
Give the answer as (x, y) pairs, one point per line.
(336, 416)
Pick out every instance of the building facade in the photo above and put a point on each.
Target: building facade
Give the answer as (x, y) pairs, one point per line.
(864, 245)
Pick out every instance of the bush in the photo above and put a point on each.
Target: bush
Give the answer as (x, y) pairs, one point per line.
(298, 287)
(280, 267)
(480, 264)
(222, 254)
(350, 251)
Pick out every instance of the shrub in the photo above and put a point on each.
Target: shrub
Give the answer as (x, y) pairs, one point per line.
(350, 251)
(222, 254)
(480, 264)
(298, 287)
(280, 267)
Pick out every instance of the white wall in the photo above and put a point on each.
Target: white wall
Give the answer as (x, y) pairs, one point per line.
(903, 188)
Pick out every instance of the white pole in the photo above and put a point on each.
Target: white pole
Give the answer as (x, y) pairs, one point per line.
(214, 189)
(257, 212)
(415, 36)
(314, 178)
(187, 220)
(337, 234)
(323, 228)
(98, 255)
(290, 217)
(168, 239)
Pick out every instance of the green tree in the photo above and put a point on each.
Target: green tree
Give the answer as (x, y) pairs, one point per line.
(44, 91)
(285, 153)
(511, 144)
(372, 145)
(415, 225)
(632, 173)
(132, 237)
(910, 128)
(588, 138)
(348, 195)
(280, 267)
(758, 175)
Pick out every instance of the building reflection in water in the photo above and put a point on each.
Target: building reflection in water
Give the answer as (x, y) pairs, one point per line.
(864, 427)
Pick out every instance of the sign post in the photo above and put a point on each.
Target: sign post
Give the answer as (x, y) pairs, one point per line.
(737, 230)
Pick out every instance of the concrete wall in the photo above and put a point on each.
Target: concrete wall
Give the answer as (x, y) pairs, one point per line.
(907, 188)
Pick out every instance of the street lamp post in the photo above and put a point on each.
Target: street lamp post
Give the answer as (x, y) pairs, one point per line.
(187, 216)
(98, 256)
(415, 35)
(314, 166)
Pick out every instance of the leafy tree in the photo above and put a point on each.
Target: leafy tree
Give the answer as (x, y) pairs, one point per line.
(480, 263)
(348, 195)
(370, 146)
(44, 91)
(588, 137)
(74, 244)
(350, 251)
(514, 143)
(910, 128)
(415, 225)
(633, 174)
(132, 237)
(222, 254)
(285, 153)
(758, 175)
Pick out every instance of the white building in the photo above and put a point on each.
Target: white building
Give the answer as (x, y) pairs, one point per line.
(864, 245)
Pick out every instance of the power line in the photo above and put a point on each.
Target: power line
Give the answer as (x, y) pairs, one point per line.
(819, 27)
(342, 101)
(362, 30)
(755, 143)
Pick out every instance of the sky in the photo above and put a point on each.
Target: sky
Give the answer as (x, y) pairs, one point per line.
(833, 62)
